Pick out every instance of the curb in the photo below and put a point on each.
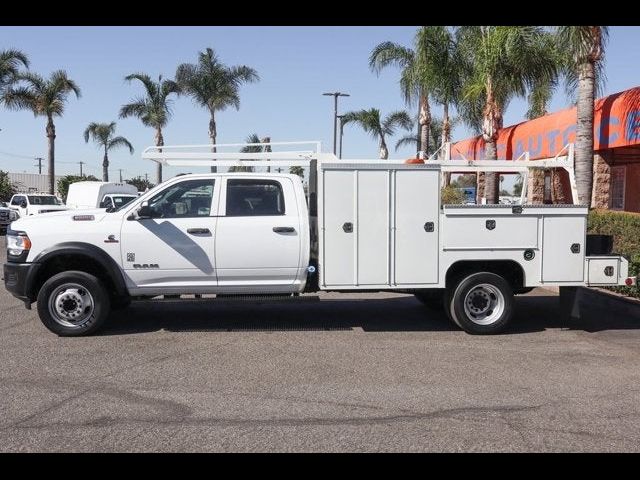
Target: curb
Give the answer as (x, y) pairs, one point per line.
(610, 300)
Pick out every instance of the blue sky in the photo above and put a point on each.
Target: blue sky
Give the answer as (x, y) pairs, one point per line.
(296, 64)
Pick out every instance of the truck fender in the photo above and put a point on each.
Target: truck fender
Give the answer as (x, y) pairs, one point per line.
(88, 250)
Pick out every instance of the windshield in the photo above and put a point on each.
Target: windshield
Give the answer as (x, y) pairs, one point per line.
(122, 200)
(43, 200)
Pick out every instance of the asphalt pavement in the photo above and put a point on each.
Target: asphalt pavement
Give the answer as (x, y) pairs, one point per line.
(357, 372)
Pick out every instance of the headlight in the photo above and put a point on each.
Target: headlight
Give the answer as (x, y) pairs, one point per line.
(17, 243)
(13, 215)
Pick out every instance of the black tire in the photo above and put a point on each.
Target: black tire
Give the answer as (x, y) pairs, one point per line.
(71, 292)
(430, 298)
(489, 299)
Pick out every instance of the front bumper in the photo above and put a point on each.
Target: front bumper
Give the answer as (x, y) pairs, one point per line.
(19, 280)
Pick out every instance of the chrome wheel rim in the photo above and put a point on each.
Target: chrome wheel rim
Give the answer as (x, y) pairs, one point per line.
(71, 305)
(484, 304)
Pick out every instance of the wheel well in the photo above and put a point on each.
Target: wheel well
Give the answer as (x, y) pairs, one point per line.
(510, 270)
(66, 262)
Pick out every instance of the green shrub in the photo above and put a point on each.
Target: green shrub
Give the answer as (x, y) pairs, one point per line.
(625, 228)
(451, 195)
(64, 182)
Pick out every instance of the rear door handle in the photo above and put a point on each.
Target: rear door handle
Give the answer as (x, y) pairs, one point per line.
(198, 231)
(284, 229)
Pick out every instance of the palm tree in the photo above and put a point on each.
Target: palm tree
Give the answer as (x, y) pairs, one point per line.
(153, 109)
(45, 97)
(435, 137)
(10, 61)
(499, 63)
(214, 85)
(103, 135)
(583, 47)
(371, 122)
(253, 138)
(445, 71)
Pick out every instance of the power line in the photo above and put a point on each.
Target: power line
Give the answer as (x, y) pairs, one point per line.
(30, 157)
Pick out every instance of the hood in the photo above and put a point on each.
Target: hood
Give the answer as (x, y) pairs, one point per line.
(58, 218)
(56, 208)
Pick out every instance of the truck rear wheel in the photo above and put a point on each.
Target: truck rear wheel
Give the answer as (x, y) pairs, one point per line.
(72, 304)
(481, 303)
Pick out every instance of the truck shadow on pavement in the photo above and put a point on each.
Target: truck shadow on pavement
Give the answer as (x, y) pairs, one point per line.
(399, 314)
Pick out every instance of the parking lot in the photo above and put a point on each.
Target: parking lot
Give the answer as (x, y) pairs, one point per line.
(366, 372)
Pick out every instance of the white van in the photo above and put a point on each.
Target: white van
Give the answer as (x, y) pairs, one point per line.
(100, 194)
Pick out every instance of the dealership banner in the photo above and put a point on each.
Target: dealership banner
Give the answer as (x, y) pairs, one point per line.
(616, 124)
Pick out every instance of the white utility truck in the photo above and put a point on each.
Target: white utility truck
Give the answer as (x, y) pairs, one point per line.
(35, 203)
(369, 225)
(109, 195)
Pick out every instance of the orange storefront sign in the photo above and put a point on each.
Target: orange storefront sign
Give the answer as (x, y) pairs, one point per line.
(616, 124)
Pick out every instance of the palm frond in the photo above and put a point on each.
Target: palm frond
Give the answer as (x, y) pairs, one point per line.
(390, 53)
(118, 142)
(136, 108)
(212, 84)
(397, 119)
(20, 98)
(149, 85)
(407, 140)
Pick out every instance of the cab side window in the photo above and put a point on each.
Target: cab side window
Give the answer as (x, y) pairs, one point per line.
(254, 197)
(191, 198)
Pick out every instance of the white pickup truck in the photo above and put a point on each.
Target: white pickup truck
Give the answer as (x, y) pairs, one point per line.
(364, 225)
(35, 203)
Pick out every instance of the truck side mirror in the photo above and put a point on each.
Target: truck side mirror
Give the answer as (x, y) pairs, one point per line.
(145, 211)
(103, 204)
(23, 204)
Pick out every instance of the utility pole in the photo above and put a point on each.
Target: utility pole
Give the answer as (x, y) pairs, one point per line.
(120, 170)
(340, 117)
(81, 163)
(146, 177)
(39, 159)
(335, 96)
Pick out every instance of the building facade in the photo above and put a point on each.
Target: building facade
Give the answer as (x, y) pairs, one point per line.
(32, 182)
(616, 169)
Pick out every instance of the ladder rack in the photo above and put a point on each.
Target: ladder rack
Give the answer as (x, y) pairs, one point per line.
(209, 156)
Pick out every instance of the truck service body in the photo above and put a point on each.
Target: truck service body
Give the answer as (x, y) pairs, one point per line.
(364, 225)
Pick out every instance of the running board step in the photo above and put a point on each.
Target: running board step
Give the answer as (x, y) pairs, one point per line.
(227, 298)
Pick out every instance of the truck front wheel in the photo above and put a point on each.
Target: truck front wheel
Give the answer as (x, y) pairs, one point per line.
(481, 303)
(73, 303)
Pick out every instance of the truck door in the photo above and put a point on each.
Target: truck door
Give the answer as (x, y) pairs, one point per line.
(258, 236)
(175, 247)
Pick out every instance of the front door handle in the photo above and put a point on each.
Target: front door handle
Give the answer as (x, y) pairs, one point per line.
(284, 229)
(198, 231)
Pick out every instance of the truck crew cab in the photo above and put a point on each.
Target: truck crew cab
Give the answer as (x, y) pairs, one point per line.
(364, 225)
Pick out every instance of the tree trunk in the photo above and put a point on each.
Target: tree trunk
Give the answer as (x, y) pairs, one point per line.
(105, 166)
(584, 133)
(213, 134)
(425, 121)
(159, 143)
(446, 138)
(418, 135)
(446, 126)
(384, 151)
(491, 182)
(491, 124)
(51, 137)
